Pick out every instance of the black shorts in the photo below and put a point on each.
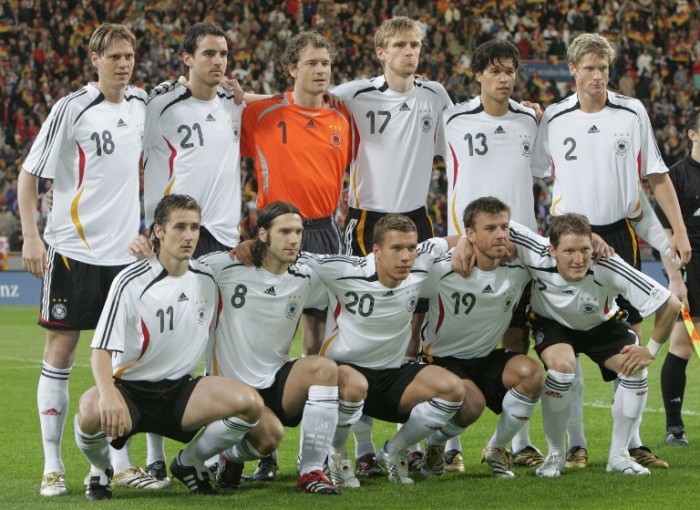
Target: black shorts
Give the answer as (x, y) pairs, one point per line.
(691, 277)
(621, 236)
(272, 396)
(208, 244)
(157, 407)
(486, 373)
(323, 237)
(359, 229)
(359, 235)
(600, 343)
(386, 386)
(73, 293)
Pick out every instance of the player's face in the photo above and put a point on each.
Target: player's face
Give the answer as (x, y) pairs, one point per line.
(312, 73)
(490, 235)
(208, 64)
(395, 256)
(179, 236)
(497, 81)
(591, 75)
(283, 240)
(115, 65)
(573, 255)
(401, 53)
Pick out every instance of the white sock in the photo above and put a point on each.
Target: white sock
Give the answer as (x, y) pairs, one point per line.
(318, 425)
(52, 401)
(155, 446)
(517, 410)
(362, 431)
(448, 432)
(521, 439)
(242, 452)
(453, 444)
(95, 448)
(425, 418)
(628, 406)
(574, 429)
(214, 438)
(120, 458)
(556, 400)
(349, 413)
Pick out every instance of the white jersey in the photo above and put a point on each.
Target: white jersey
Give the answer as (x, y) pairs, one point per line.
(597, 159)
(489, 156)
(396, 135)
(468, 316)
(590, 302)
(258, 318)
(91, 148)
(157, 326)
(193, 147)
(373, 321)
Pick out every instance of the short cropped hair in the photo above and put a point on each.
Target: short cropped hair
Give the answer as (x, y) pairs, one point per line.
(196, 33)
(392, 222)
(299, 42)
(391, 27)
(570, 223)
(589, 43)
(165, 206)
(483, 205)
(107, 34)
(491, 52)
(692, 121)
(265, 219)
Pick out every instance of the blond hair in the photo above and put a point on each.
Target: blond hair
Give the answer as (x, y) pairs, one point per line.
(590, 43)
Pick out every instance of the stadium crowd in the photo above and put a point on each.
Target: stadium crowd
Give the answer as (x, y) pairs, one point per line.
(43, 47)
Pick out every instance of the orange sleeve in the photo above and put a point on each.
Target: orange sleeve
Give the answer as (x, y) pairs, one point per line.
(250, 115)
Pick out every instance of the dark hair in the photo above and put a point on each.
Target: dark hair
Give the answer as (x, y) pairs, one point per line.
(167, 204)
(491, 52)
(570, 223)
(392, 222)
(299, 42)
(196, 33)
(107, 34)
(265, 219)
(691, 122)
(483, 205)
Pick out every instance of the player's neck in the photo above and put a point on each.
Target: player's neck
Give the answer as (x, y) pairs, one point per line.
(386, 280)
(112, 95)
(494, 108)
(591, 104)
(695, 153)
(485, 263)
(274, 266)
(201, 91)
(305, 100)
(399, 83)
(174, 267)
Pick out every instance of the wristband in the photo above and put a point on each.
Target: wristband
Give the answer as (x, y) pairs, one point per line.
(654, 347)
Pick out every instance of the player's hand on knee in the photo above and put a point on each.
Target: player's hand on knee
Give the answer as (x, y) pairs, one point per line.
(167, 86)
(634, 358)
(243, 252)
(141, 247)
(112, 413)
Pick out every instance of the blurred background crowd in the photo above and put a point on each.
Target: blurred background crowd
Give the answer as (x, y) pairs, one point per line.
(44, 56)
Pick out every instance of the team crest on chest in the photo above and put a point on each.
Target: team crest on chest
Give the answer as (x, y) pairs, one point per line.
(621, 145)
(426, 123)
(412, 302)
(507, 304)
(236, 133)
(336, 139)
(525, 146)
(291, 309)
(588, 305)
(201, 315)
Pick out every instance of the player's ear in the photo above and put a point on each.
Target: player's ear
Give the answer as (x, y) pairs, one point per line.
(262, 235)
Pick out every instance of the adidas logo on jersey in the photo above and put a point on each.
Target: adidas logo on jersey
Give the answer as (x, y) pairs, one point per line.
(390, 293)
(568, 291)
(210, 118)
(182, 298)
(121, 123)
(594, 129)
(270, 291)
(499, 131)
(487, 290)
(404, 108)
(310, 125)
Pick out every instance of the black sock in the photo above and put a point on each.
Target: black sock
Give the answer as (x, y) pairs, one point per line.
(673, 388)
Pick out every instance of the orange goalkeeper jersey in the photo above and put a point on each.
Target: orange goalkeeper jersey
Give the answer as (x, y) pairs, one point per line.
(300, 154)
